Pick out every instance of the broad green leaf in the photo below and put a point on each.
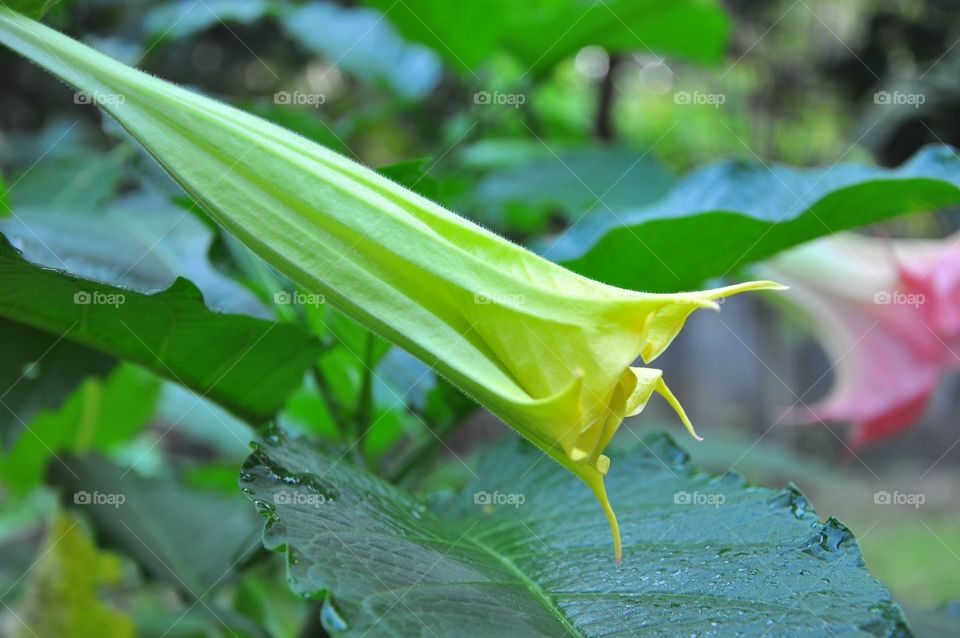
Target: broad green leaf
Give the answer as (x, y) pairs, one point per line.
(519, 551)
(542, 32)
(192, 539)
(140, 242)
(100, 414)
(247, 365)
(64, 597)
(730, 214)
(39, 371)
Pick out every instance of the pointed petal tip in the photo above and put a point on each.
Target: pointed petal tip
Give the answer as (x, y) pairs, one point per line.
(746, 286)
(773, 285)
(595, 482)
(665, 392)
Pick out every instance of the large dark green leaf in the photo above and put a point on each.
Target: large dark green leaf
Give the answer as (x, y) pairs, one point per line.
(702, 553)
(542, 32)
(248, 365)
(733, 213)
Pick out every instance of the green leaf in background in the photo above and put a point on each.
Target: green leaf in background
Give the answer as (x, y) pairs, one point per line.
(730, 214)
(181, 18)
(140, 242)
(415, 175)
(74, 176)
(65, 589)
(248, 365)
(571, 184)
(355, 389)
(358, 40)
(543, 35)
(518, 551)
(193, 539)
(931, 623)
(98, 415)
(4, 198)
(40, 370)
(542, 32)
(362, 42)
(33, 8)
(263, 596)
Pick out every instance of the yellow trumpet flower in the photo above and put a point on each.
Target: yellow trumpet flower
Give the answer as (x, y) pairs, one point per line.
(548, 351)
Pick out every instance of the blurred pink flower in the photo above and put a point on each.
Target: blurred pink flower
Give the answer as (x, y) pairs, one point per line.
(888, 315)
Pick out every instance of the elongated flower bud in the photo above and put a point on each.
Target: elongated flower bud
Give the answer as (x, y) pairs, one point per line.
(546, 350)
